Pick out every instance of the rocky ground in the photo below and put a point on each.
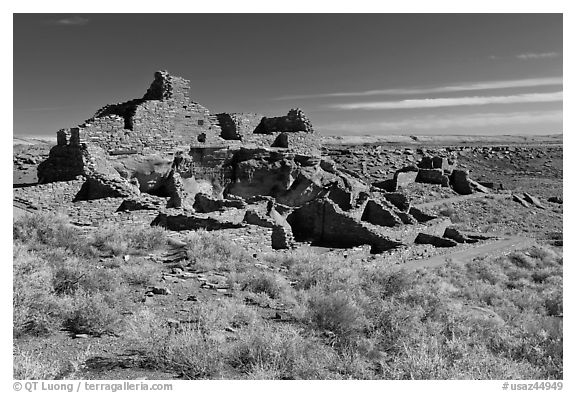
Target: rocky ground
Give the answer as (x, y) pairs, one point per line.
(514, 168)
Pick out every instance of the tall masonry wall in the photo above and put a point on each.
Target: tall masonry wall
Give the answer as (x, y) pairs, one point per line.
(160, 121)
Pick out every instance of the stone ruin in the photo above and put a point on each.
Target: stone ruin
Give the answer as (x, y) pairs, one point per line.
(170, 157)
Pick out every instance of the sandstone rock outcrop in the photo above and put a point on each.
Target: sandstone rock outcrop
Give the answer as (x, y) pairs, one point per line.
(322, 222)
(291, 179)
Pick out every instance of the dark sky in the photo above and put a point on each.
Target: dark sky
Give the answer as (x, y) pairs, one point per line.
(351, 73)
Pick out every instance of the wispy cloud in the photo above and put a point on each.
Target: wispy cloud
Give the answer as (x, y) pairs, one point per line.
(48, 108)
(70, 21)
(459, 123)
(446, 102)
(470, 86)
(535, 56)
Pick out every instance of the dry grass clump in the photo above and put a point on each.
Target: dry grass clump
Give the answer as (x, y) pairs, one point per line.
(42, 231)
(213, 251)
(269, 283)
(128, 240)
(35, 365)
(58, 284)
(92, 313)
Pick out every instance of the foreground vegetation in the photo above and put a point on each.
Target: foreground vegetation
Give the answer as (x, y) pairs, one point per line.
(342, 318)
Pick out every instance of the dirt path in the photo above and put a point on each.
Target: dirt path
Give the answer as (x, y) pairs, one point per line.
(490, 249)
(459, 198)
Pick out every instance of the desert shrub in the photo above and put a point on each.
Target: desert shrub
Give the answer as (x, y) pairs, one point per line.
(521, 260)
(335, 312)
(34, 365)
(140, 272)
(382, 283)
(545, 256)
(71, 274)
(269, 283)
(109, 239)
(212, 251)
(553, 302)
(128, 240)
(541, 275)
(329, 271)
(196, 350)
(218, 315)
(263, 351)
(489, 272)
(92, 313)
(190, 351)
(146, 238)
(46, 230)
(36, 309)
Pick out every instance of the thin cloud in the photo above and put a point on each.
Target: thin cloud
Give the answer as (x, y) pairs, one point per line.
(471, 86)
(446, 102)
(535, 56)
(456, 123)
(48, 108)
(70, 21)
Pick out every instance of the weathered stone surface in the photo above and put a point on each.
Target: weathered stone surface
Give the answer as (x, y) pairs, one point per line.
(420, 216)
(174, 188)
(185, 221)
(143, 202)
(323, 223)
(406, 218)
(477, 187)
(65, 163)
(434, 162)
(441, 163)
(520, 200)
(150, 171)
(49, 196)
(405, 176)
(436, 241)
(282, 237)
(375, 213)
(237, 126)
(99, 186)
(492, 185)
(390, 185)
(255, 218)
(454, 234)
(533, 200)
(460, 182)
(430, 176)
(556, 199)
(206, 204)
(281, 140)
(287, 177)
(399, 200)
(294, 121)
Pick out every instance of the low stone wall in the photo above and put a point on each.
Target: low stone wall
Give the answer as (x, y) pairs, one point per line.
(294, 121)
(185, 221)
(51, 196)
(238, 126)
(323, 223)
